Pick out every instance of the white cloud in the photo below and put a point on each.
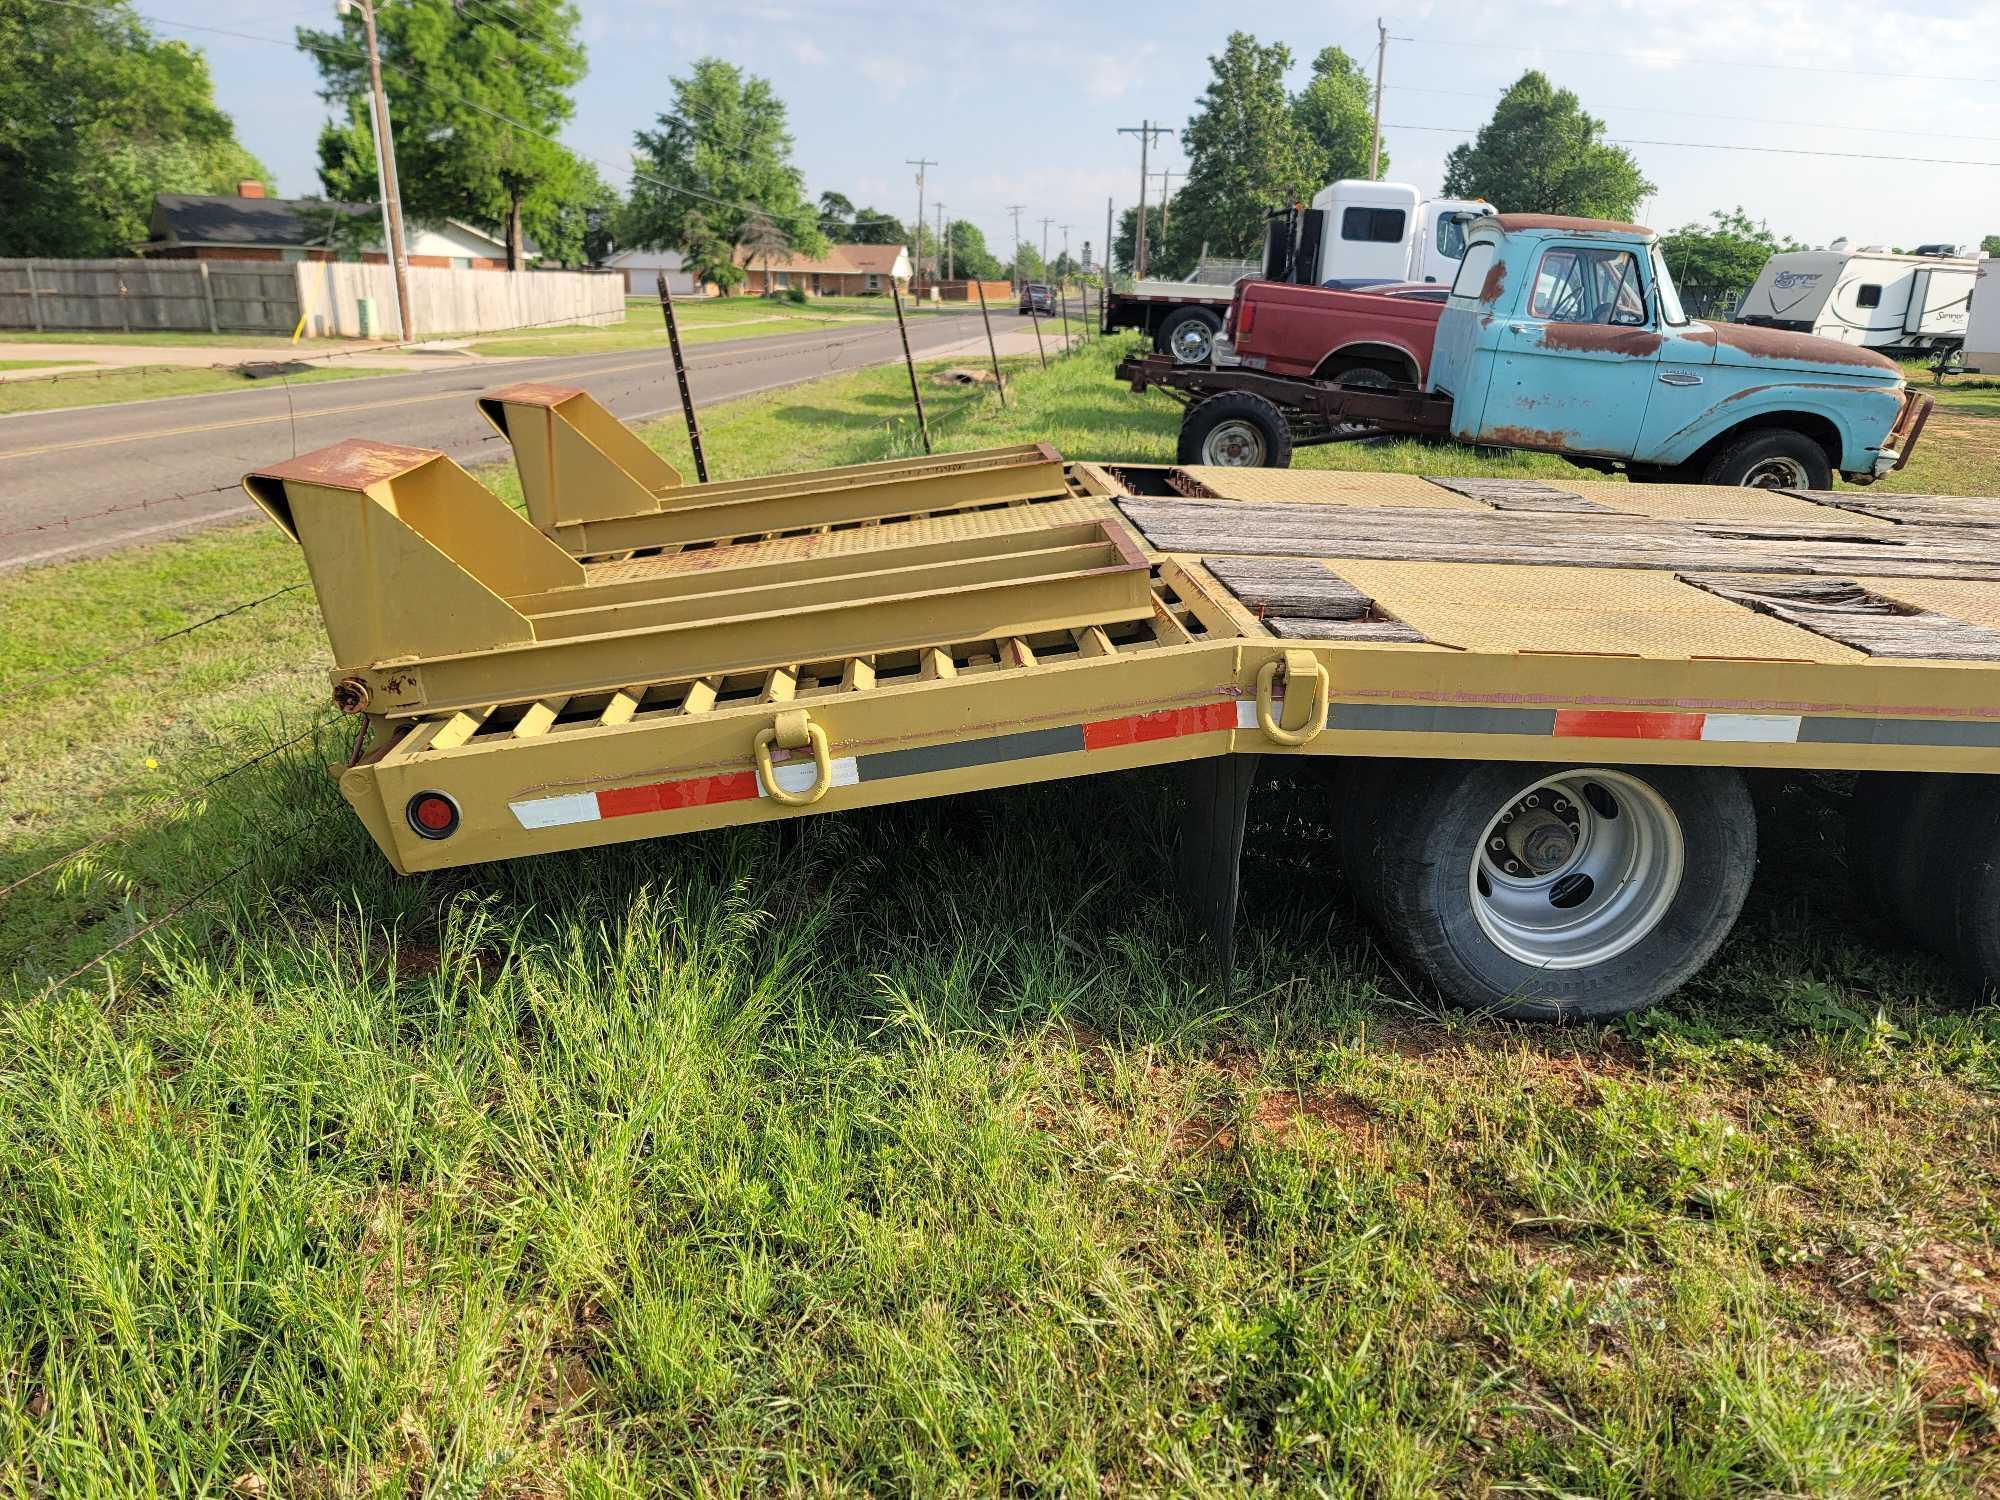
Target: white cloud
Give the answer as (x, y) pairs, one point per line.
(806, 51)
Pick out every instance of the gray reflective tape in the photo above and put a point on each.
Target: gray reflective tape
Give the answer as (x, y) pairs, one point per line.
(1952, 732)
(1439, 719)
(960, 754)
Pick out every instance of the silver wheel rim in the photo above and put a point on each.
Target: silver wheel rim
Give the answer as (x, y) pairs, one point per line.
(1192, 342)
(1777, 473)
(1235, 444)
(1575, 869)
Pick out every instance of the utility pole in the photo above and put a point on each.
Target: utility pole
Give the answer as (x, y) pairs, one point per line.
(385, 167)
(919, 163)
(1045, 245)
(1375, 142)
(1065, 228)
(1146, 130)
(1014, 255)
(942, 253)
(1107, 245)
(1167, 197)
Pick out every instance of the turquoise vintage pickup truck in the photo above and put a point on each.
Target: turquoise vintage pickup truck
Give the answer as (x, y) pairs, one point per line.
(1567, 335)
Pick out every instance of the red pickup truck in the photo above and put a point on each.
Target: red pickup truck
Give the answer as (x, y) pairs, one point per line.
(1374, 337)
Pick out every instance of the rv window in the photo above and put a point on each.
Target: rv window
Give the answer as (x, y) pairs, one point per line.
(1869, 295)
(1578, 285)
(1451, 234)
(1471, 278)
(1378, 226)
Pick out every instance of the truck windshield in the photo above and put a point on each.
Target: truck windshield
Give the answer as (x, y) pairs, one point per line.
(1451, 234)
(1671, 311)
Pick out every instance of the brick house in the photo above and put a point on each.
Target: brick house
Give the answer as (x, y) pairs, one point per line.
(844, 271)
(250, 226)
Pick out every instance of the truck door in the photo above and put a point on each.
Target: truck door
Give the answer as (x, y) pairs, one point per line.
(1685, 388)
(1574, 364)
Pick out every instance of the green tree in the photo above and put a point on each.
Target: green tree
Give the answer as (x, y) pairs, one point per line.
(1123, 248)
(96, 117)
(1335, 110)
(1027, 264)
(474, 95)
(1990, 245)
(870, 226)
(970, 259)
(1541, 154)
(1247, 154)
(1724, 254)
(836, 215)
(721, 157)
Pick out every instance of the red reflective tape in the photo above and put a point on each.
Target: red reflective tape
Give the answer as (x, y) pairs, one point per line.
(671, 796)
(1165, 724)
(1619, 724)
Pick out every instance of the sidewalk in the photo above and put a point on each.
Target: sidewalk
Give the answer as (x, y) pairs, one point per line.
(77, 359)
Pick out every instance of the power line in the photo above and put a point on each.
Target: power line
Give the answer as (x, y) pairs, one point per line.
(1933, 161)
(1674, 60)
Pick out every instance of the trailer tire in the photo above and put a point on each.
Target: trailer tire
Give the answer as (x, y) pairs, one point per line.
(1189, 336)
(1235, 429)
(1973, 853)
(1895, 826)
(1611, 916)
(1772, 458)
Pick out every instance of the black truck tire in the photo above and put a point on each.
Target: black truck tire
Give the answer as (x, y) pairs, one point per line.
(1896, 825)
(1625, 879)
(1771, 458)
(1235, 429)
(1971, 853)
(1188, 334)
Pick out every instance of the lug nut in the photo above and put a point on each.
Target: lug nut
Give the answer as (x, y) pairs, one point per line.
(1513, 867)
(1531, 800)
(1498, 843)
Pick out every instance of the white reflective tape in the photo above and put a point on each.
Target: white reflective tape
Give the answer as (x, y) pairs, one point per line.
(802, 775)
(554, 812)
(1766, 729)
(1246, 713)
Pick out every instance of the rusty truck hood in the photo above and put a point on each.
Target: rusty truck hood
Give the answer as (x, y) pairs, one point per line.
(1776, 349)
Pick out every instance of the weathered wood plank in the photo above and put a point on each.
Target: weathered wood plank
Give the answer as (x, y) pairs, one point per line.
(1842, 610)
(1517, 494)
(1300, 598)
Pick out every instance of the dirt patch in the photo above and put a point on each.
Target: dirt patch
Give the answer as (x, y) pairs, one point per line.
(1281, 1117)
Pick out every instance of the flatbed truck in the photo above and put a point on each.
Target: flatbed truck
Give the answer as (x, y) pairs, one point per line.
(1534, 706)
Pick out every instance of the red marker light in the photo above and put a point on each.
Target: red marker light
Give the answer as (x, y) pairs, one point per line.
(433, 815)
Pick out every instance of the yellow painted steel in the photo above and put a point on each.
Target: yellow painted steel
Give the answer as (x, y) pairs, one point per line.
(977, 635)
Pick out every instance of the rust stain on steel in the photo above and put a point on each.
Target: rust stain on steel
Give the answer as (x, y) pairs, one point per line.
(1779, 343)
(1527, 437)
(350, 464)
(1496, 282)
(1513, 223)
(533, 393)
(1601, 338)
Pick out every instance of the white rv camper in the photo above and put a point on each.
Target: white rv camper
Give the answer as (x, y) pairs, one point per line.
(1882, 301)
(1982, 329)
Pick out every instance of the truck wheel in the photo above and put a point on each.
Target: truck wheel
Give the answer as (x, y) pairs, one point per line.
(1235, 430)
(1775, 459)
(1555, 892)
(1895, 825)
(1189, 336)
(1974, 854)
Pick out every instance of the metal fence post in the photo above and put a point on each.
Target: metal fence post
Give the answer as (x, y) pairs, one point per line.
(916, 394)
(1036, 319)
(208, 295)
(999, 382)
(681, 376)
(1062, 295)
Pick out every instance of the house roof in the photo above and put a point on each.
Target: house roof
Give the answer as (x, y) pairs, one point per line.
(648, 260)
(845, 260)
(224, 219)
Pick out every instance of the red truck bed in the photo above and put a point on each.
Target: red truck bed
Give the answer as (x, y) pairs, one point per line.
(1311, 331)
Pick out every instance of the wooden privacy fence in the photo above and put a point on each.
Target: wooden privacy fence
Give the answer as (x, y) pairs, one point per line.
(138, 296)
(267, 296)
(448, 301)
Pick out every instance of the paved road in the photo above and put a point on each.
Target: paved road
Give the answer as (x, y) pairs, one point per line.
(60, 466)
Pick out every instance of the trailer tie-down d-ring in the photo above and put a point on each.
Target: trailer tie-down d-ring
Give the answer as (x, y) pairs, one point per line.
(793, 730)
(1296, 666)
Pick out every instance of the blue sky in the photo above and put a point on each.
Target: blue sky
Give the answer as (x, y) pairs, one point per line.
(1021, 103)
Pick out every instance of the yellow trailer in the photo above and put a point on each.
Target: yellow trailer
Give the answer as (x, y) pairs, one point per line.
(1538, 701)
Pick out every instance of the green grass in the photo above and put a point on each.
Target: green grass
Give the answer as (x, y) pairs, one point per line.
(919, 1156)
(705, 320)
(38, 364)
(145, 384)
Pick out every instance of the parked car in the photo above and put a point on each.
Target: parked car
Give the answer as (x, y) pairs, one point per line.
(1037, 299)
